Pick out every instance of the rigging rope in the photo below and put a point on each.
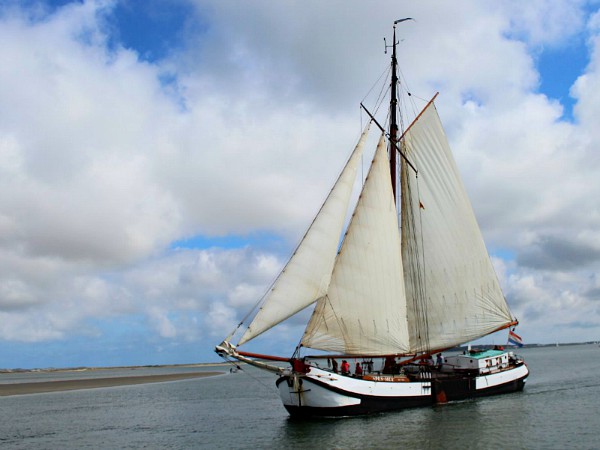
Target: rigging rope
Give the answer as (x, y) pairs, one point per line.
(236, 364)
(385, 75)
(415, 258)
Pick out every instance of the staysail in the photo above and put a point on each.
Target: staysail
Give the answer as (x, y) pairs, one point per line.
(306, 276)
(453, 291)
(364, 310)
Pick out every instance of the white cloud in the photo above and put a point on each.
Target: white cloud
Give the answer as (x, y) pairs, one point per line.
(103, 165)
(161, 322)
(78, 131)
(540, 23)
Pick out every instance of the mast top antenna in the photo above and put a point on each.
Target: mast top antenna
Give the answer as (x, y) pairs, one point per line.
(385, 45)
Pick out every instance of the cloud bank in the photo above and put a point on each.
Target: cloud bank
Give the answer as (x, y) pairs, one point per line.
(109, 158)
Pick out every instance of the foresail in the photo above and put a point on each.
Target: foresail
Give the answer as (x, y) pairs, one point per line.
(364, 311)
(306, 276)
(453, 291)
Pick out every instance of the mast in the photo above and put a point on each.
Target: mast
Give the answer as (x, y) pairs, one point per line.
(393, 131)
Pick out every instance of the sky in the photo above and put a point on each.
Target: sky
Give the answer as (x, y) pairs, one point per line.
(159, 160)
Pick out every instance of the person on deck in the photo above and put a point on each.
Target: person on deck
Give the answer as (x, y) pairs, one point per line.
(334, 365)
(345, 367)
(439, 360)
(358, 370)
(388, 366)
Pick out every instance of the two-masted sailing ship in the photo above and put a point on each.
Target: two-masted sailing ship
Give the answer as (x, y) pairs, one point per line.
(411, 279)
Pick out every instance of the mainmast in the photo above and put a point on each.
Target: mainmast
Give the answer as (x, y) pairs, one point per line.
(393, 131)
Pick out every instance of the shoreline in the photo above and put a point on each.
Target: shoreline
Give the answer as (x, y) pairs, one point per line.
(93, 383)
(93, 368)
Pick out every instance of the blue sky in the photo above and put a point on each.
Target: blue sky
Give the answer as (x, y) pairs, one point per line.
(559, 68)
(156, 28)
(182, 147)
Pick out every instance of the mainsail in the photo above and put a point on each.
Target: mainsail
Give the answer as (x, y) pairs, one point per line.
(454, 292)
(364, 311)
(306, 276)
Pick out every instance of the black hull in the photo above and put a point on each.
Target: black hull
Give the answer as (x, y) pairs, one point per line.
(443, 390)
(463, 388)
(373, 405)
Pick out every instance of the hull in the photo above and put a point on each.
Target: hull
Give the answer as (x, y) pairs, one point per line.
(320, 393)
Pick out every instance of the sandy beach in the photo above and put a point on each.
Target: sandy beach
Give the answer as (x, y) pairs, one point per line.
(69, 385)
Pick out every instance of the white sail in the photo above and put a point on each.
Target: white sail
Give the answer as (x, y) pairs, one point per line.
(306, 276)
(364, 311)
(454, 294)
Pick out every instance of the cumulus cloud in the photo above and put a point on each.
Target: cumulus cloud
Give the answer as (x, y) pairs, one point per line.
(79, 126)
(106, 158)
(538, 25)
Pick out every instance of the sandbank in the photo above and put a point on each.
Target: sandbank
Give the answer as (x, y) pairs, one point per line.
(91, 383)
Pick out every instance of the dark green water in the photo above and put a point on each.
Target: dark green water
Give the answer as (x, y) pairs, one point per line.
(559, 409)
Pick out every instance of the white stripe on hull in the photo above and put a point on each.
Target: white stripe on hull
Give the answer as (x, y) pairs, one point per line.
(499, 378)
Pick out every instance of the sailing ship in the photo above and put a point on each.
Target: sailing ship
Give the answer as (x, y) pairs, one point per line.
(411, 279)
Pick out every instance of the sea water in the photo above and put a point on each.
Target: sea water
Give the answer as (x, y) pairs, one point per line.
(559, 408)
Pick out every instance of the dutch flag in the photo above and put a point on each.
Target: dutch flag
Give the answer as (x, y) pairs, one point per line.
(515, 339)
